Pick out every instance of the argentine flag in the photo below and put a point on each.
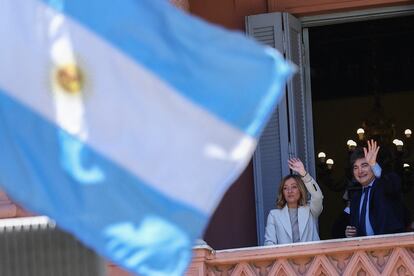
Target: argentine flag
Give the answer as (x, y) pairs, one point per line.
(126, 121)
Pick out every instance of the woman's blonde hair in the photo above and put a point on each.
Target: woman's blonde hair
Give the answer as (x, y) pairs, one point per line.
(281, 201)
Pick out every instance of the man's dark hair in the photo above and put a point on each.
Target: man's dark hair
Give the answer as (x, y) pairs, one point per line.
(357, 154)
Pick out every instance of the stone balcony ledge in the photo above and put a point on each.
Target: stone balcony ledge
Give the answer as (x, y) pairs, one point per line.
(377, 255)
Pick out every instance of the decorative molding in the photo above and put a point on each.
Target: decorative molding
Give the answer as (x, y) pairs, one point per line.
(410, 252)
(340, 261)
(262, 268)
(380, 258)
(282, 268)
(312, 7)
(243, 269)
(322, 266)
(360, 265)
(301, 265)
(378, 255)
(400, 263)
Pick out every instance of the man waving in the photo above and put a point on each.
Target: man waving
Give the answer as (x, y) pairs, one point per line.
(377, 209)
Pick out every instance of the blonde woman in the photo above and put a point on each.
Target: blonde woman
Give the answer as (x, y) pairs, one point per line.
(295, 219)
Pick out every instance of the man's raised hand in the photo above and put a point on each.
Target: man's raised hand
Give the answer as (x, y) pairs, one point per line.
(372, 152)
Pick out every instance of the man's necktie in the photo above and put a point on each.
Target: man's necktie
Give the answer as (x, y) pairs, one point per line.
(362, 216)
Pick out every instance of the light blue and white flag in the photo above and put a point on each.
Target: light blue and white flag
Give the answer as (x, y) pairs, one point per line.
(126, 121)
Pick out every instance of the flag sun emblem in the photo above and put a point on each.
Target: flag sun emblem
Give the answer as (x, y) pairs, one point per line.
(70, 78)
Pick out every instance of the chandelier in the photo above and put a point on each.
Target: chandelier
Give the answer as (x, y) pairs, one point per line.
(395, 151)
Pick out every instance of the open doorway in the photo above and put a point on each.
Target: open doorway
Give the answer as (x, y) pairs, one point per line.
(357, 69)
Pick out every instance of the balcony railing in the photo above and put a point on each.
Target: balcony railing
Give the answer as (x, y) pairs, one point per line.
(377, 255)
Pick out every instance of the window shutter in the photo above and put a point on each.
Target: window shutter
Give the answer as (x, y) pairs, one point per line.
(300, 102)
(34, 246)
(269, 160)
(290, 129)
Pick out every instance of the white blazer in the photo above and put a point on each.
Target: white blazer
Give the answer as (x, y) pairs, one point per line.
(279, 228)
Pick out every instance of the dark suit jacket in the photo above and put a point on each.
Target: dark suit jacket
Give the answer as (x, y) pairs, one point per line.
(339, 226)
(386, 211)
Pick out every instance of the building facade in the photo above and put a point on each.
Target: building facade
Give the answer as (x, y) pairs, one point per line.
(240, 219)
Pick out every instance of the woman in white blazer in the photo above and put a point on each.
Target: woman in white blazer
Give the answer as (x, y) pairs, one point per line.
(295, 219)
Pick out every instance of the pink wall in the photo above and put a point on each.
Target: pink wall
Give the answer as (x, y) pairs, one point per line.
(227, 13)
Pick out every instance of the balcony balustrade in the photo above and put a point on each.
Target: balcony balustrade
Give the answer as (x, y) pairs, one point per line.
(376, 255)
